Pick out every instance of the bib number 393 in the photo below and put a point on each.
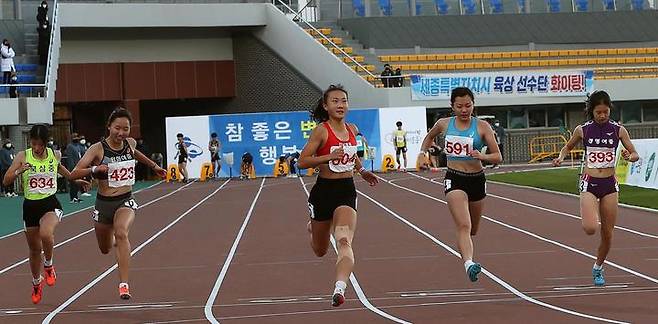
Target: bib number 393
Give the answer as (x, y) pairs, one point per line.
(600, 157)
(121, 174)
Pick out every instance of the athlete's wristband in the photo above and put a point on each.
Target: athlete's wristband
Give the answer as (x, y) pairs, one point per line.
(362, 169)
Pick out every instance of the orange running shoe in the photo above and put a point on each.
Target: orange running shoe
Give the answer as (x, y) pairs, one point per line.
(124, 291)
(51, 276)
(37, 292)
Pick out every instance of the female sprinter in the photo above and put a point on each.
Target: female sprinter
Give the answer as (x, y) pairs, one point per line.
(112, 162)
(38, 167)
(598, 186)
(332, 202)
(465, 184)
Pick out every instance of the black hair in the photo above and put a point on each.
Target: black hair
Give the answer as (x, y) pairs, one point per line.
(179, 135)
(39, 132)
(461, 92)
(398, 123)
(119, 112)
(594, 99)
(213, 135)
(319, 114)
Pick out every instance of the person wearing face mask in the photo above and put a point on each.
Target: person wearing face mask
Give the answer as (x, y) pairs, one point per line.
(12, 89)
(43, 30)
(73, 155)
(500, 138)
(464, 183)
(7, 62)
(84, 145)
(6, 159)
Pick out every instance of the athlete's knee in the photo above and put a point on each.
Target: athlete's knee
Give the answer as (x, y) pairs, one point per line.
(342, 235)
(465, 227)
(45, 234)
(319, 251)
(589, 229)
(121, 234)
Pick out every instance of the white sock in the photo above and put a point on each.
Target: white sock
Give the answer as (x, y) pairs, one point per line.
(597, 267)
(468, 263)
(48, 263)
(341, 284)
(36, 281)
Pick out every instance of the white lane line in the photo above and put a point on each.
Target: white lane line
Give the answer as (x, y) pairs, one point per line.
(68, 302)
(80, 210)
(355, 283)
(486, 272)
(222, 274)
(539, 237)
(91, 229)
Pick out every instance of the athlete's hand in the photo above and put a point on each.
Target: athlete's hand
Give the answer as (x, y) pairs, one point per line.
(557, 162)
(370, 178)
(24, 167)
(162, 173)
(337, 154)
(476, 154)
(101, 169)
(424, 160)
(626, 155)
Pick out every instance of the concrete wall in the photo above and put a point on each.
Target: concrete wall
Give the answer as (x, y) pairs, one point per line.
(10, 111)
(116, 15)
(145, 50)
(315, 62)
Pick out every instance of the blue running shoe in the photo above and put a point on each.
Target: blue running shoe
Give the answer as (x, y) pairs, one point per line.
(598, 277)
(473, 271)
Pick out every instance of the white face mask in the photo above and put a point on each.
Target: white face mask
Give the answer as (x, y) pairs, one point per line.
(497, 124)
(83, 141)
(51, 142)
(44, 5)
(8, 146)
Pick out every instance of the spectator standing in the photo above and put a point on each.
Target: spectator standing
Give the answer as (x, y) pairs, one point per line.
(7, 62)
(7, 154)
(386, 76)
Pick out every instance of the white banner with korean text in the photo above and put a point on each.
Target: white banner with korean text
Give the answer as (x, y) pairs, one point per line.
(540, 83)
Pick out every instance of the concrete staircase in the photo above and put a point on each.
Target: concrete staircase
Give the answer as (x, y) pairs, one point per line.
(353, 47)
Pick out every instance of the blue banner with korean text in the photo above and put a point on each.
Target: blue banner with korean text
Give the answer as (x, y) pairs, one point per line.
(268, 136)
(555, 83)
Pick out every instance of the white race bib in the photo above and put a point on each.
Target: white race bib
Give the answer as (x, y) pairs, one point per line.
(346, 163)
(42, 183)
(600, 157)
(458, 145)
(121, 174)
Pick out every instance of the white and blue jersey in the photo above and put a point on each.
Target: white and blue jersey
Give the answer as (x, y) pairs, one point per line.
(460, 143)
